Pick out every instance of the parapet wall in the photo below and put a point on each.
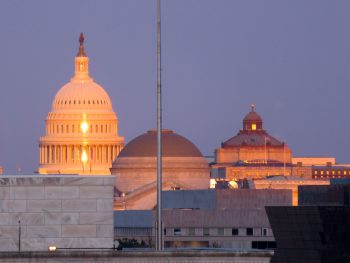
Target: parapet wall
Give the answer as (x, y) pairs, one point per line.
(59, 210)
(139, 256)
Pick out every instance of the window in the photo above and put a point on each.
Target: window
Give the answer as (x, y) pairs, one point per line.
(253, 126)
(191, 231)
(164, 231)
(220, 231)
(177, 231)
(234, 231)
(264, 232)
(249, 231)
(205, 231)
(264, 244)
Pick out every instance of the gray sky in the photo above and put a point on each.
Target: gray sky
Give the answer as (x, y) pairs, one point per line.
(292, 58)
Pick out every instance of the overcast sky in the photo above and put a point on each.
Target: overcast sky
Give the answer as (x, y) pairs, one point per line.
(291, 58)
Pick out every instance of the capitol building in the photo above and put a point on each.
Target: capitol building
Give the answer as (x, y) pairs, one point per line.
(82, 128)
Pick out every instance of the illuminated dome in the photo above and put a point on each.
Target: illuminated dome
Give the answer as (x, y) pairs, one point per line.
(184, 167)
(82, 128)
(82, 95)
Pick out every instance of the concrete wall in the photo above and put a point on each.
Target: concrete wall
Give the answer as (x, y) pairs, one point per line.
(140, 257)
(65, 211)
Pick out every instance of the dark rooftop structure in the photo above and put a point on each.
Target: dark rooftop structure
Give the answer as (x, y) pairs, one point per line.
(318, 231)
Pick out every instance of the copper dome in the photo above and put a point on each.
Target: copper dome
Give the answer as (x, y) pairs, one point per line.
(173, 145)
(252, 116)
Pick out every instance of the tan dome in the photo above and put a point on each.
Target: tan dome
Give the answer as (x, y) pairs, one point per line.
(173, 145)
(81, 95)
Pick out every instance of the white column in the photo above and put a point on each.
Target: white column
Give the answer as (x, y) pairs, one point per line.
(103, 154)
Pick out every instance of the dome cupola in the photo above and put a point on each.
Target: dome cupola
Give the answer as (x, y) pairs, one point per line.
(252, 121)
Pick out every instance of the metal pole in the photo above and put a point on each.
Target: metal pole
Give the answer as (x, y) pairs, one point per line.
(19, 234)
(284, 159)
(159, 242)
(265, 149)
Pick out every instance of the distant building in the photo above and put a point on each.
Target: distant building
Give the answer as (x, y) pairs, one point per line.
(1, 170)
(329, 171)
(135, 170)
(291, 182)
(313, 161)
(81, 129)
(207, 218)
(253, 152)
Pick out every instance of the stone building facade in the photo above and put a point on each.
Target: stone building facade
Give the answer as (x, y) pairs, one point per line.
(63, 211)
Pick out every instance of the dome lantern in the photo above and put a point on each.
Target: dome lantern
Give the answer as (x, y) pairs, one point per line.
(81, 62)
(252, 121)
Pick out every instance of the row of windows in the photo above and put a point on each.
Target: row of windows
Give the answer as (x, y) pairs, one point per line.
(249, 231)
(67, 128)
(333, 172)
(191, 231)
(98, 102)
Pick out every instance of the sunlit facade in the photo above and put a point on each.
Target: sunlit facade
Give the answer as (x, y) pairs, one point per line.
(82, 128)
(253, 153)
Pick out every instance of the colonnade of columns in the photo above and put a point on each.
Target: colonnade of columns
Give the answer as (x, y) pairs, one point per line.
(71, 154)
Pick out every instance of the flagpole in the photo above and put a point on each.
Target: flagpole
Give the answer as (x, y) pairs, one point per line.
(284, 159)
(159, 239)
(265, 150)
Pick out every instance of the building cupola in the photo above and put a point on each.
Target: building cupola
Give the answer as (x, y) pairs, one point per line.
(252, 121)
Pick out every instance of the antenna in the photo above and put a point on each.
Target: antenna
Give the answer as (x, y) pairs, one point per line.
(159, 239)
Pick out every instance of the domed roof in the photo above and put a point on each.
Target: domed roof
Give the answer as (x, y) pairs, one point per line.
(252, 116)
(260, 138)
(173, 145)
(81, 92)
(75, 95)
